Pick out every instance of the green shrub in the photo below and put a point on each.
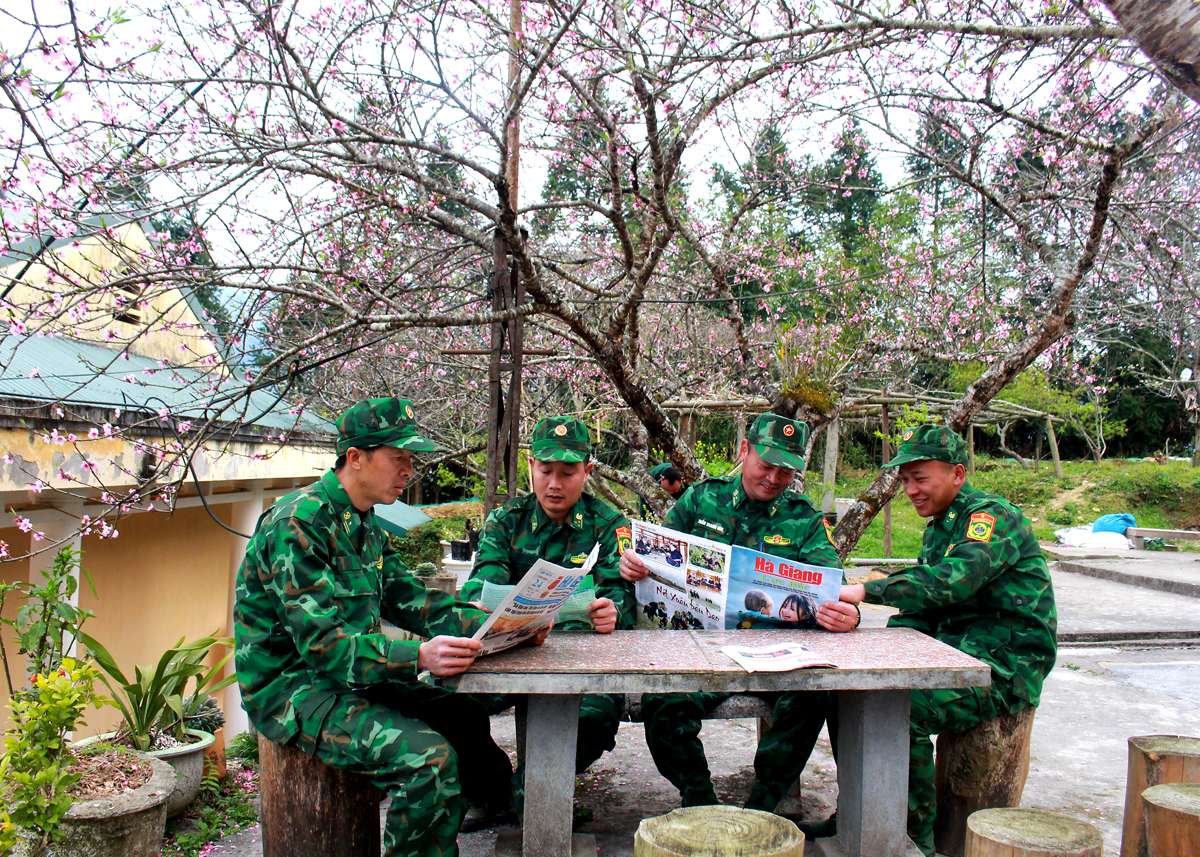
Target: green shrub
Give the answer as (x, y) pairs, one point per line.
(243, 746)
(422, 544)
(1017, 485)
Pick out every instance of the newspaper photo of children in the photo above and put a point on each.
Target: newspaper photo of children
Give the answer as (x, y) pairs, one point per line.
(799, 610)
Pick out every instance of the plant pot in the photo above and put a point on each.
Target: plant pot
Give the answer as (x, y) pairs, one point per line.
(128, 825)
(188, 762)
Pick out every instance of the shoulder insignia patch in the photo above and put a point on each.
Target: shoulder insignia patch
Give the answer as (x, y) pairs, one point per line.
(828, 529)
(979, 528)
(624, 539)
(777, 540)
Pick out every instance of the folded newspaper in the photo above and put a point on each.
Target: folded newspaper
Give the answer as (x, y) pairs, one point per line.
(701, 584)
(777, 658)
(533, 604)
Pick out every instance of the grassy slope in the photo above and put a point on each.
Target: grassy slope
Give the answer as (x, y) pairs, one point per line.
(1158, 495)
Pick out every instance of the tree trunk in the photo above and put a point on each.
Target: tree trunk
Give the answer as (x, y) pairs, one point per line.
(1167, 31)
(1172, 819)
(1030, 833)
(718, 831)
(1154, 760)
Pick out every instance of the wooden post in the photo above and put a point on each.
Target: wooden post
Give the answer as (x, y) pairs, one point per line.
(971, 449)
(1053, 441)
(981, 768)
(1030, 833)
(829, 474)
(1154, 760)
(688, 428)
(312, 810)
(1037, 453)
(717, 831)
(1172, 813)
(886, 431)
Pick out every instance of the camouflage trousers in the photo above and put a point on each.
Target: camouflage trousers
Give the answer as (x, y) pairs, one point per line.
(934, 712)
(429, 749)
(673, 727)
(599, 718)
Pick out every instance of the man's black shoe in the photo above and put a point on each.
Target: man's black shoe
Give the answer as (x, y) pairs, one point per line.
(819, 829)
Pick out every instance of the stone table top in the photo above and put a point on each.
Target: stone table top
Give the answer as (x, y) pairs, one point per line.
(677, 661)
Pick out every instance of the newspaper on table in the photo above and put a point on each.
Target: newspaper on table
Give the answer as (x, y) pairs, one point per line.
(701, 584)
(533, 604)
(777, 658)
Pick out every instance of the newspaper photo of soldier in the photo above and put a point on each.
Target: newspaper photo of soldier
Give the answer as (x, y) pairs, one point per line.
(706, 558)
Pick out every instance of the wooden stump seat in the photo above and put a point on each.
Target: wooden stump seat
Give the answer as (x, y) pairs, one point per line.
(312, 810)
(718, 831)
(1154, 760)
(1030, 833)
(1172, 812)
(982, 768)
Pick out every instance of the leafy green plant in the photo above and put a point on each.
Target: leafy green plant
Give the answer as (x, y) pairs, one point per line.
(34, 765)
(47, 624)
(244, 746)
(151, 694)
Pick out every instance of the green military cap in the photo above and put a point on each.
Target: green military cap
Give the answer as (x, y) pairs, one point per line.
(381, 422)
(657, 471)
(922, 443)
(560, 439)
(779, 441)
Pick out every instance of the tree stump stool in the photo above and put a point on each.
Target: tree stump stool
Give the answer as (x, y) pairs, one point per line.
(1172, 812)
(1030, 833)
(1154, 760)
(982, 768)
(718, 831)
(312, 810)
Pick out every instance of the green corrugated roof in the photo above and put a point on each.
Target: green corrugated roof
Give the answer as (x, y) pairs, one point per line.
(62, 370)
(398, 518)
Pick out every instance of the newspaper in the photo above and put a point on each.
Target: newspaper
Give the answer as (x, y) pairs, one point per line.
(777, 658)
(532, 604)
(701, 584)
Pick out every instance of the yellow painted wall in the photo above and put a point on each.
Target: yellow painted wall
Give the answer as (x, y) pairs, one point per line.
(11, 572)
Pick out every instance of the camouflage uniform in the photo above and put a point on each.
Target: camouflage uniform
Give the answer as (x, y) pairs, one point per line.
(317, 673)
(981, 586)
(517, 534)
(787, 527)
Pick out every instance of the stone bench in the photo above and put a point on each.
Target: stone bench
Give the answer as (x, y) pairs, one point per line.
(736, 707)
(1138, 536)
(312, 810)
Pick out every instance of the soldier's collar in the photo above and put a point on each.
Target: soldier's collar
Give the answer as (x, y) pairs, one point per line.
(740, 496)
(958, 507)
(574, 518)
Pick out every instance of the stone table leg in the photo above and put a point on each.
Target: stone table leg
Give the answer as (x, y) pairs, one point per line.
(873, 773)
(549, 774)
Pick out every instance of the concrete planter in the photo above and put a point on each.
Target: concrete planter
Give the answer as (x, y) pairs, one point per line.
(128, 825)
(188, 763)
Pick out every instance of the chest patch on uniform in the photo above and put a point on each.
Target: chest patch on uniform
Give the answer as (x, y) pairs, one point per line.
(828, 530)
(624, 539)
(777, 540)
(979, 528)
(579, 558)
(717, 528)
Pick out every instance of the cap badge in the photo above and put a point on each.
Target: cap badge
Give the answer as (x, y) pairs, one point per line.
(408, 410)
(789, 430)
(908, 435)
(560, 430)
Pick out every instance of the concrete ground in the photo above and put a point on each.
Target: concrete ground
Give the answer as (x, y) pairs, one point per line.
(1128, 664)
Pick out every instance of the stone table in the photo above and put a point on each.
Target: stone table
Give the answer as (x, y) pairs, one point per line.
(877, 668)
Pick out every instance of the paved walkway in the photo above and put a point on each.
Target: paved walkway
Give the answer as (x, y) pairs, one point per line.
(1128, 664)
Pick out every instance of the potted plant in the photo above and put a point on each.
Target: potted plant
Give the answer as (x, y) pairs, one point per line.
(152, 705)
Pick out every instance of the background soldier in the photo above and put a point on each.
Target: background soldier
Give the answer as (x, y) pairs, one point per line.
(981, 586)
(753, 509)
(560, 523)
(317, 672)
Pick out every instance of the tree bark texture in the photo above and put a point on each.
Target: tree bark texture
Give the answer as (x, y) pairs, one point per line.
(718, 831)
(1167, 31)
(981, 768)
(312, 810)
(1030, 833)
(1154, 760)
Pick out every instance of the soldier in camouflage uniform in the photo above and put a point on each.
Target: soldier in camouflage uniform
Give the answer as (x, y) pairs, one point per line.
(315, 668)
(560, 523)
(981, 586)
(754, 509)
